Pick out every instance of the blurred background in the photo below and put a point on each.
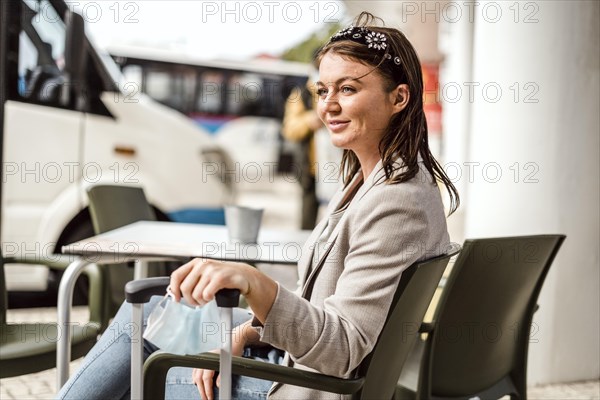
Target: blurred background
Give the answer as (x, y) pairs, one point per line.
(187, 99)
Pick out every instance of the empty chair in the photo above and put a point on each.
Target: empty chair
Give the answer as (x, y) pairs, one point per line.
(111, 207)
(31, 347)
(476, 346)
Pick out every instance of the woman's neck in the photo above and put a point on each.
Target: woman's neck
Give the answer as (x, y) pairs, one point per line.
(367, 163)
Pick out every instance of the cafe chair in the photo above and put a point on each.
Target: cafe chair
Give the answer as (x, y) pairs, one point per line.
(31, 347)
(111, 207)
(376, 376)
(476, 346)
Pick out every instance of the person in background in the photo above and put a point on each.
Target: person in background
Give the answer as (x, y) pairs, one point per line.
(300, 122)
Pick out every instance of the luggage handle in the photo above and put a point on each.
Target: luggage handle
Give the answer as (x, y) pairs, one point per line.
(139, 292)
(228, 298)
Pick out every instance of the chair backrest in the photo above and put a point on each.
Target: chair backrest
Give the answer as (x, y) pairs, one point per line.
(381, 369)
(483, 318)
(113, 206)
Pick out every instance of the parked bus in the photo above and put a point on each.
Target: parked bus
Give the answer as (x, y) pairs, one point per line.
(240, 102)
(211, 92)
(69, 122)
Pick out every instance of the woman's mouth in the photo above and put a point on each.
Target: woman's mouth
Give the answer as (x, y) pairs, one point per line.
(336, 125)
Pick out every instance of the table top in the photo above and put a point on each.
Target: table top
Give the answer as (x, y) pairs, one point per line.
(153, 239)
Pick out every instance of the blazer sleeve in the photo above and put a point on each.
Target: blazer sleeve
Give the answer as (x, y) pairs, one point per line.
(388, 234)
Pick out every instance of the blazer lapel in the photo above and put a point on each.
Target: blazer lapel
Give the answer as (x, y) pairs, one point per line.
(371, 180)
(309, 248)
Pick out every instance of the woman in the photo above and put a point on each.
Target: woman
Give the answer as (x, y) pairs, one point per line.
(388, 215)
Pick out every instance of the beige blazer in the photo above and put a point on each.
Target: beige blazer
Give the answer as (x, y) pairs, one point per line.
(384, 229)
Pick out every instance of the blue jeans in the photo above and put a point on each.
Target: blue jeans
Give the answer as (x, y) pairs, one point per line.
(105, 372)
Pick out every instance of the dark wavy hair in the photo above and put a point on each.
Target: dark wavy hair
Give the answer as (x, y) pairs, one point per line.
(406, 135)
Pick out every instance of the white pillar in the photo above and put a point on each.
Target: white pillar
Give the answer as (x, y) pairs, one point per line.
(456, 43)
(535, 134)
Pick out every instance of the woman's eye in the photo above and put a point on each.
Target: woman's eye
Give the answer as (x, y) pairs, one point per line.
(321, 92)
(347, 89)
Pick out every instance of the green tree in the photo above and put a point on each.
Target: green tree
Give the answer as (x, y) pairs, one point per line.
(305, 50)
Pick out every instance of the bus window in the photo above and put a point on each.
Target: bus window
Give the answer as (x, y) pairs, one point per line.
(133, 75)
(28, 60)
(188, 90)
(209, 98)
(244, 94)
(157, 85)
(41, 52)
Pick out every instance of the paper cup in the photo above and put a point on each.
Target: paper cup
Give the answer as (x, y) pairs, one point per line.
(243, 223)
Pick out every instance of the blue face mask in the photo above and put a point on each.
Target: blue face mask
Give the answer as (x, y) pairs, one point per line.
(180, 329)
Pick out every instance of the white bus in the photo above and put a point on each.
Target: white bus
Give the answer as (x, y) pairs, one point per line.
(67, 123)
(241, 103)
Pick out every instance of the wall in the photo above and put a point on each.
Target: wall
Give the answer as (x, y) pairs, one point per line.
(544, 140)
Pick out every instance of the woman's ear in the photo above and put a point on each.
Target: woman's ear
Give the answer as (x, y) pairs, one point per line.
(401, 96)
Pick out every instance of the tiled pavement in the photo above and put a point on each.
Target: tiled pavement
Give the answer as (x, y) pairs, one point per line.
(41, 385)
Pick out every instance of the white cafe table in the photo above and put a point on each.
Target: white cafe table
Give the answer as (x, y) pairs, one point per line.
(154, 241)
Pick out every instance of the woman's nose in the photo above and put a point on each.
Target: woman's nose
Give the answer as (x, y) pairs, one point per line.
(331, 104)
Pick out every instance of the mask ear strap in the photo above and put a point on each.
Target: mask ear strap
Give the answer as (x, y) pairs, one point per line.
(172, 296)
(166, 296)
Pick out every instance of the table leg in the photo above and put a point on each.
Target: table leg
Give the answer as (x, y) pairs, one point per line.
(65, 300)
(140, 269)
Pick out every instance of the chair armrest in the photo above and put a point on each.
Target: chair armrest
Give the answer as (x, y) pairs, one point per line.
(61, 262)
(140, 290)
(159, 363)
(57, 261)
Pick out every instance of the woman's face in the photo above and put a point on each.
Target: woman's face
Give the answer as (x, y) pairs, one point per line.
(354, 104)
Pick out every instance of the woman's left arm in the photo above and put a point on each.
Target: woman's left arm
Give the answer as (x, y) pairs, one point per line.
(200, 279)
(394, 226)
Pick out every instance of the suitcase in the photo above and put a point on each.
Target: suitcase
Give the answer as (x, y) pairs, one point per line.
(138, 293)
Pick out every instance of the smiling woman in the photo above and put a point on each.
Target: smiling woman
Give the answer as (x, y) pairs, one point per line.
(387, 215)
